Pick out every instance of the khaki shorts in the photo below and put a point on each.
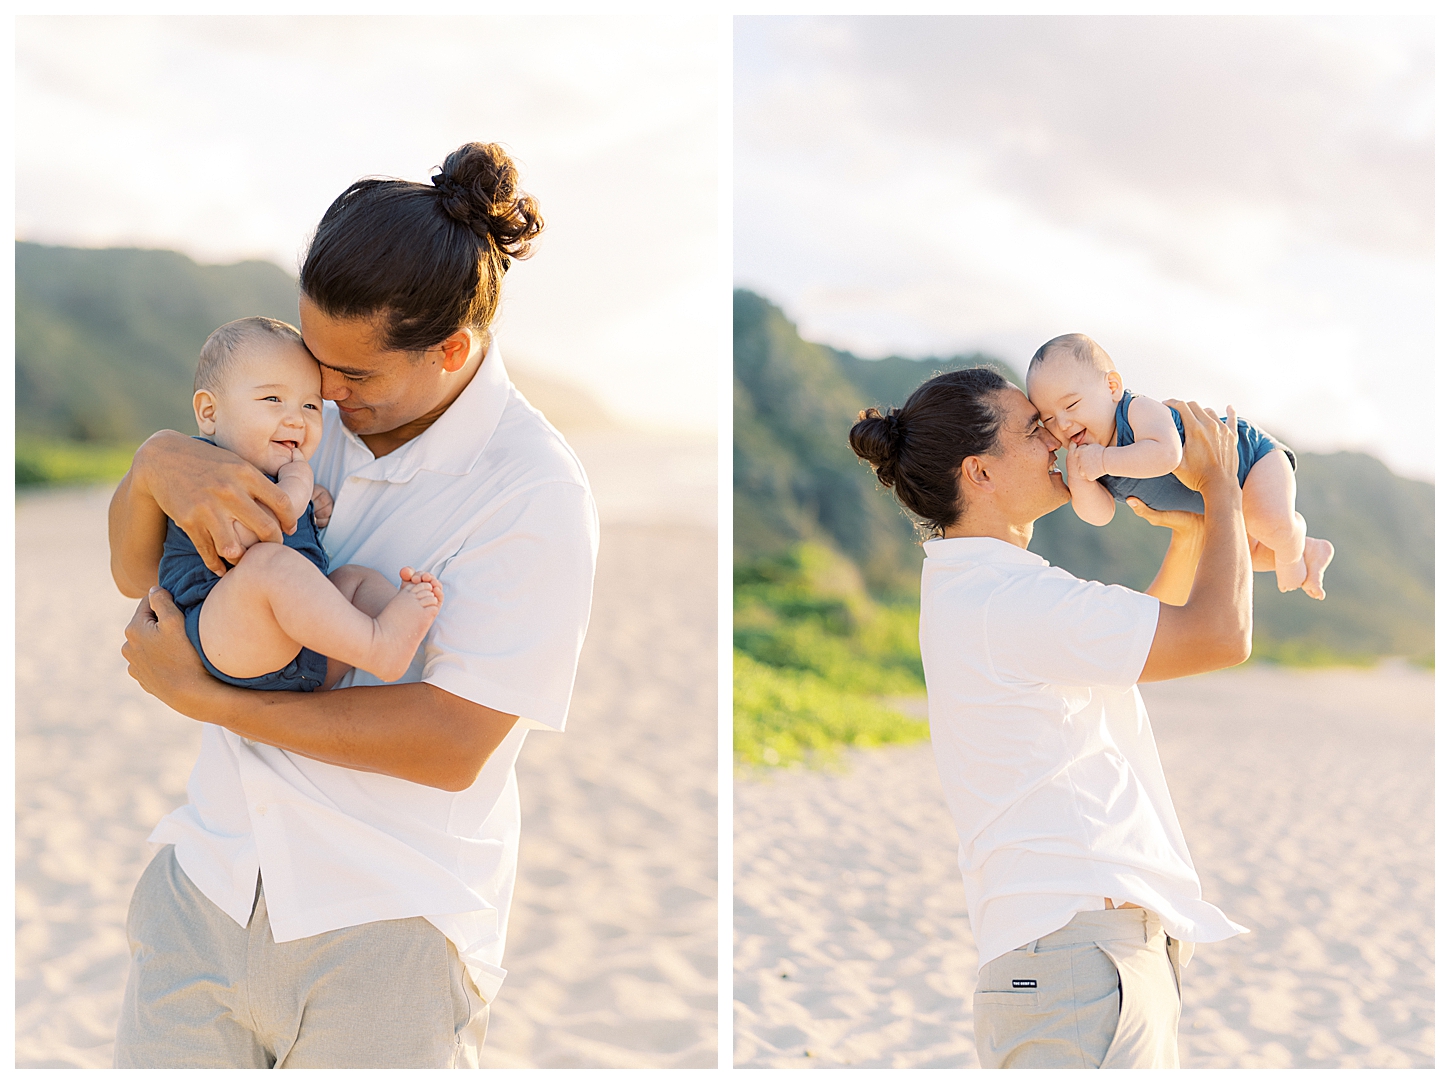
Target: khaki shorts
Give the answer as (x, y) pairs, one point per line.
(205, 993)
(1102, 992)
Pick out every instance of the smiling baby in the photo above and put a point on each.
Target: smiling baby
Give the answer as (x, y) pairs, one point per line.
(1119, 445)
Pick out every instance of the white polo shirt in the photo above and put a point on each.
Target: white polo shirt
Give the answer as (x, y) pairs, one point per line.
(1044, 747)
(491, 500)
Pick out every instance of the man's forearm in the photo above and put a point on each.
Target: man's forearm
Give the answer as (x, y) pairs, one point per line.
(1222, 594)
(136, 526)
(413, 731)
(1175, 576)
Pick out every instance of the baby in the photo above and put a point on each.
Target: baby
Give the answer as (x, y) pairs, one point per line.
(1119, 445)
(278, 620)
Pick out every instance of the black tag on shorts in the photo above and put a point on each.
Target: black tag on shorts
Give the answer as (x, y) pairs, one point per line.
(1024, 984)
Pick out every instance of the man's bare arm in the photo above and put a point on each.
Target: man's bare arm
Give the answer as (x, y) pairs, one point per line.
(205, 490)
(1175, 576)
(412, 731)
(1214, 628)
(137, 529)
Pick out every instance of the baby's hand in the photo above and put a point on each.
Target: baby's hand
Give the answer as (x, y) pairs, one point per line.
(1084, 462)
(295, 466)
(321, 506)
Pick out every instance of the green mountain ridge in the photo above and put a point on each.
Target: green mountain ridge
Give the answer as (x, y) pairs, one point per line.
(106, 340)
(797, 481)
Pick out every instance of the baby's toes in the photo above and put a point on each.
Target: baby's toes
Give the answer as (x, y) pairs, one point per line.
(431, 581)
(407, 574)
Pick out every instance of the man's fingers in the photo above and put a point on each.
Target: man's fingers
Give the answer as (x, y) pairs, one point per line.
(209, 540)
(143, 616)
(163, 605)
(141, 620)
(1143, 511)
(273, 499)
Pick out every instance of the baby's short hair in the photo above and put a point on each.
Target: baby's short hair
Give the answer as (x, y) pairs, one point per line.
(1079, 346)
(221, 346)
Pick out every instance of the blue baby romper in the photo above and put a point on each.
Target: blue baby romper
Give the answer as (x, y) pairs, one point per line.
(1165, 492)
(189, 581)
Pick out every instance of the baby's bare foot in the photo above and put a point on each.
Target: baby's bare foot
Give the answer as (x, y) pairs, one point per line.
(409, 575)
(1317, 555)
(1291, 577)
(400, 628)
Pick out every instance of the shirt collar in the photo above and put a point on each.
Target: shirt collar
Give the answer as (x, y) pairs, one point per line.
(454, 443)
(981, 550)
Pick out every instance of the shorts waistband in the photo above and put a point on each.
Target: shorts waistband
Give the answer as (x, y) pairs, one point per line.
(1121, 924)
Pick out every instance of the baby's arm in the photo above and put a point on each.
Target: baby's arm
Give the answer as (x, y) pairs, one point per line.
(1156, 447)
(294, 479)
(1090, 499)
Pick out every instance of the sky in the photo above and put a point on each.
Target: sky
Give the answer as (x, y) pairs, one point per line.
(227, 137)
(1238, 209)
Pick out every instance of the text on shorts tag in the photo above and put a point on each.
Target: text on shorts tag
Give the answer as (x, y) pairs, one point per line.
(1024, 984)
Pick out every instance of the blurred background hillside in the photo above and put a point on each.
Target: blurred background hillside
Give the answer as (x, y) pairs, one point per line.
(106, 342)
(828, 565)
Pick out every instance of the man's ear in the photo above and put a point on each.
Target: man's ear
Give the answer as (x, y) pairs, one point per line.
(203, 404)
(1115, 385)
(457, 348)
(975, 477)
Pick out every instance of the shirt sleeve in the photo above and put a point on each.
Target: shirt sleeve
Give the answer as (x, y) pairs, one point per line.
(1056, 629)
(516, 602)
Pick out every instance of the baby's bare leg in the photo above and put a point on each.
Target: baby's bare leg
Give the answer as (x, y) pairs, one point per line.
(1277, 532)
(276, 601)
(366, 588)
(1269, 515)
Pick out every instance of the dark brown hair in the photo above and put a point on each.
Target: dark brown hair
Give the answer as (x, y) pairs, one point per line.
(917, 449)
(424, 259)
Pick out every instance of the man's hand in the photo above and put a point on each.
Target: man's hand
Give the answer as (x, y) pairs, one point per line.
(1213, 627)
(1212, 458)
(1190, 524)
(321, 506)
(204, 489)
(162, 659)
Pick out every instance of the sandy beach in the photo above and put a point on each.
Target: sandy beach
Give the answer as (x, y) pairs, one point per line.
(612, 946)
(1307, 801)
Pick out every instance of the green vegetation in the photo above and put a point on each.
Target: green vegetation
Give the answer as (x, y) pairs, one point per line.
(827, 564)
(55, 463)
(813, 656)
(786, 716)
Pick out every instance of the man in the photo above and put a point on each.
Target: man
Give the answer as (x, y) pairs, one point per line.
(1083, 898)
(336, 892)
